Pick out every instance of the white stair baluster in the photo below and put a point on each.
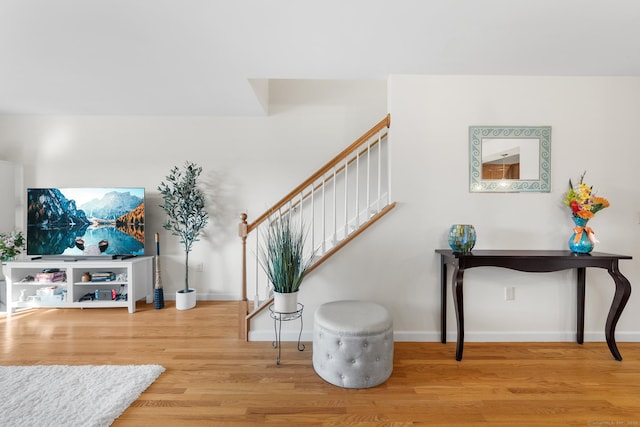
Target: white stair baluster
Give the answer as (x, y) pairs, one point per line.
(256, 298)
(388, 201)
(313, 217)
(335, 219)
(368, 198)
(379, 172)
(346, 197)
(324, 222)
(357, 189)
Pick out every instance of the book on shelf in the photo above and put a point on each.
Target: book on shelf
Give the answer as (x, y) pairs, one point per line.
(103, 276)
(52, 276)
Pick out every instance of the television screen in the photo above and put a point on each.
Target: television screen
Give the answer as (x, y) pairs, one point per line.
(85, 221)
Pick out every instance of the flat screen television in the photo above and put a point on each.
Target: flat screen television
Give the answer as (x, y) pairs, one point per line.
(83, 222)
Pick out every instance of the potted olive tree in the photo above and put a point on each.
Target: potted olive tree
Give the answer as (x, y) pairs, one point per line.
(184, 204)
(283, 259)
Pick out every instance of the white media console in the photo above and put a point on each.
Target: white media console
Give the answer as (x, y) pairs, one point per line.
(79, 283)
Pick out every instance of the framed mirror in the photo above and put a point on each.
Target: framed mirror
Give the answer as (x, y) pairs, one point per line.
(509, 159)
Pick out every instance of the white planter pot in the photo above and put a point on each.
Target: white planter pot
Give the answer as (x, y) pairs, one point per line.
(185, 300)
(285, 303)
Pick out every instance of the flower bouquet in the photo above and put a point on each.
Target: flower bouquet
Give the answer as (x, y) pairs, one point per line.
(584, 204)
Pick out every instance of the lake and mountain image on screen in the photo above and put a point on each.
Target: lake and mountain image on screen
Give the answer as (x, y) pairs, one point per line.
(85, 221)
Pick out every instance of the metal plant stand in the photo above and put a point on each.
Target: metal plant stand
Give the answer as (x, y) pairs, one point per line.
(278, 318)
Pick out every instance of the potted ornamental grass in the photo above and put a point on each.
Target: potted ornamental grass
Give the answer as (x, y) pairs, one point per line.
(184, 204)
(283, 259)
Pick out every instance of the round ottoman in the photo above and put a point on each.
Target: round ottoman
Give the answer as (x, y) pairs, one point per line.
(353, 343)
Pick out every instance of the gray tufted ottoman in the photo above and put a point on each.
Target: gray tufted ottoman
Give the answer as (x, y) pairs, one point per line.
(353, 343)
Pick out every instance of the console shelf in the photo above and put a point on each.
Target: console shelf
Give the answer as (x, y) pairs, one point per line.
(133, 281)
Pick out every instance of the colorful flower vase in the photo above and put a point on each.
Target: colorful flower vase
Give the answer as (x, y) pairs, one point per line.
(582, 239)
(462, 238)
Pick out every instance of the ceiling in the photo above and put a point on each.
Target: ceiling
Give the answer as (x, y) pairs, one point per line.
(212, 57)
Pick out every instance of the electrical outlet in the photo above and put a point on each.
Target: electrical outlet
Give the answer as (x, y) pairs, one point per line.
(509, 293)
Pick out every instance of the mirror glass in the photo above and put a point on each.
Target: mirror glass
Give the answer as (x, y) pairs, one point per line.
(509, 158)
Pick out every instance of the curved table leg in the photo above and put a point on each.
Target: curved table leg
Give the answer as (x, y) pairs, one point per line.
(620, 298)
(456, 283)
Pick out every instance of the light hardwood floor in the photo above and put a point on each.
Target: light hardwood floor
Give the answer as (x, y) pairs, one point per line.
(213, 378)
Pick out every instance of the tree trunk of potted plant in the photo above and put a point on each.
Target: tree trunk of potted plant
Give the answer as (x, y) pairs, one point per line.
(186, 298)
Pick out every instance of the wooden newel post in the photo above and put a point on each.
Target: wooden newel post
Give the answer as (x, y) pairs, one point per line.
(244, 304)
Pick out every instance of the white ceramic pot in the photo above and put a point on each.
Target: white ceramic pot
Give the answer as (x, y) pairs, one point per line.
(285, 303)
(185, 300)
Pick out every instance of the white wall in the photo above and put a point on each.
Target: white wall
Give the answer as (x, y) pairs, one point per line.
(594, 128)
(7, 189)
(593, 124)
(257, 160)
(249, 163)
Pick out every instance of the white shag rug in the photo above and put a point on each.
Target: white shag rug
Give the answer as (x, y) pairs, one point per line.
(74, 396)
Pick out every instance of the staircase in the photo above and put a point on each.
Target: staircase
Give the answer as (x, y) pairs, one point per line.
(335, 204)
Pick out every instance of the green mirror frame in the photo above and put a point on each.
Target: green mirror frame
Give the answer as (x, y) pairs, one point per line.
(528, 134)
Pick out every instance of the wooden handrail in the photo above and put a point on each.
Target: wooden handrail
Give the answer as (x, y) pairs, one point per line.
(384, 123)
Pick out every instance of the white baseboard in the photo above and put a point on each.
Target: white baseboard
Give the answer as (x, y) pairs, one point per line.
(400, 336)
(171, 296)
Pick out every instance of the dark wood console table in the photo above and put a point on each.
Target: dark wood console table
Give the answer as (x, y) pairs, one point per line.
(535, 261)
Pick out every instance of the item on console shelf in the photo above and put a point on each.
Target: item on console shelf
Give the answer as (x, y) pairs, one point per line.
(103, 276)
(50, 295)
(49, 291)
(51, 276)
(122, 295)
(105, 294)
(86, 297)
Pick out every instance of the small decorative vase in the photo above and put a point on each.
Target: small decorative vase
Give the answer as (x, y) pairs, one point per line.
(462, 238)
(158, 298)
(582, 239)
(285, 302)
